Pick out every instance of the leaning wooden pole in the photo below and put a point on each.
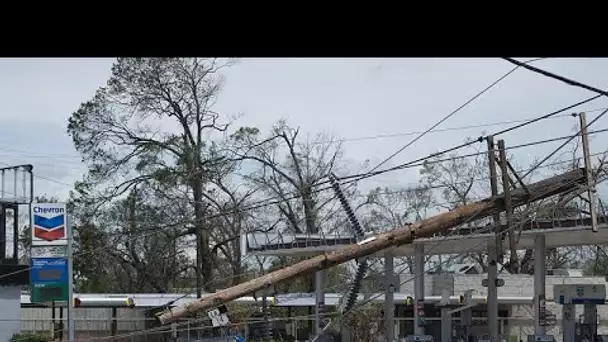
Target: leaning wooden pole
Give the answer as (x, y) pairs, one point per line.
(400, 236)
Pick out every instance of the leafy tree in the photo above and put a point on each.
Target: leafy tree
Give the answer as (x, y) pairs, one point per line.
(365, 324)
(151, 126)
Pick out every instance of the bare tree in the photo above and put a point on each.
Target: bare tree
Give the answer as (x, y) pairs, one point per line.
(389, 208)
(458, 180)
(291, 170)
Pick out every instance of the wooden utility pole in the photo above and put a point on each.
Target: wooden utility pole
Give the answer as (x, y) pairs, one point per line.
(396, 237)
(591, 192)
(506, 182)
(494, 249)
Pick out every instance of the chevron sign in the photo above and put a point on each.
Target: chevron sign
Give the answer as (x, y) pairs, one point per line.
(49, 224)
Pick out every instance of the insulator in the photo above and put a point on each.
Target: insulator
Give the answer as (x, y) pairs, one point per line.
(267, 322)
(353, 291)
(358, 231)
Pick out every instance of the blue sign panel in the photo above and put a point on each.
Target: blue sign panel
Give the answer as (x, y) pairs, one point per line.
(49, 270)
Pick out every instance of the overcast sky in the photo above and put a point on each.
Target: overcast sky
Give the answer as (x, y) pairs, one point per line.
(351, 98)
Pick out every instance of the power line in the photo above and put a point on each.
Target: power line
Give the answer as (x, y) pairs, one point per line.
(480, 139)
(265, 203)
(66, 159)
(567, 141)
(557, 77)
(523, 123)
(552, 114)
(271, 201)
(567, 81)
(445, 118)
(407, 188)
(456, 128)
(424, 161)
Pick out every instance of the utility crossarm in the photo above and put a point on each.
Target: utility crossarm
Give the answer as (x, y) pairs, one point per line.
(399, 236)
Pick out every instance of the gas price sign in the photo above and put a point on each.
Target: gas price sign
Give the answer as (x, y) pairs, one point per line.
(49, 279)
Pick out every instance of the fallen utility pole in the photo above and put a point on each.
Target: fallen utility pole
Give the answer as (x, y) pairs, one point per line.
(397, 237)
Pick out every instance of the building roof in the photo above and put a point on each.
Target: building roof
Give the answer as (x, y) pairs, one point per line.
(153, 300)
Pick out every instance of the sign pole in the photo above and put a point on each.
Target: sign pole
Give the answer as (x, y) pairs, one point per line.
(70, 303)
(52, 257)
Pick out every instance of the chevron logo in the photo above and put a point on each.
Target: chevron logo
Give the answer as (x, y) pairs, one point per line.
(49, 229)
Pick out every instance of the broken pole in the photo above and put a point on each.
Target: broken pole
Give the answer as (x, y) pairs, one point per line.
(396, 237)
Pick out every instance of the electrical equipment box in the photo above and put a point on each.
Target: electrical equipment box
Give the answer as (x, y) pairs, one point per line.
(541, 338)
(579, 294)
(419, 338)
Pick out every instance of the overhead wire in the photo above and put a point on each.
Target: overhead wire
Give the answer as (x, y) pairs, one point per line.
(546, 73)
(374, 137)
(529, 170)
(566, 142)
(569, 82)
(256, 206)
(519, 64)
(452, 113)
(269, 201)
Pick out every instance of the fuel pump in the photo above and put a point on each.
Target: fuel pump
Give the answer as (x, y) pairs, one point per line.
(586, 327)
(583, 329)
(461, 330)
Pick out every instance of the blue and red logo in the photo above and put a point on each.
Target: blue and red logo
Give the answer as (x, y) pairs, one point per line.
(49, 228)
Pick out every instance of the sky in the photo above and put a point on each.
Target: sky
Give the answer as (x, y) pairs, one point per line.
(349, 98)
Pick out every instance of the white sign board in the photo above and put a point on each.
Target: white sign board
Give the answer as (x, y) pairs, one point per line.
(49, 251)
(218, 319)
(49, 224)
(579, 293)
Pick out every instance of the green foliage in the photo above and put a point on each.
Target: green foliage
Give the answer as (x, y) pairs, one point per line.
(27, 337)
(152, 129)
(597, 266)
(365, 323)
